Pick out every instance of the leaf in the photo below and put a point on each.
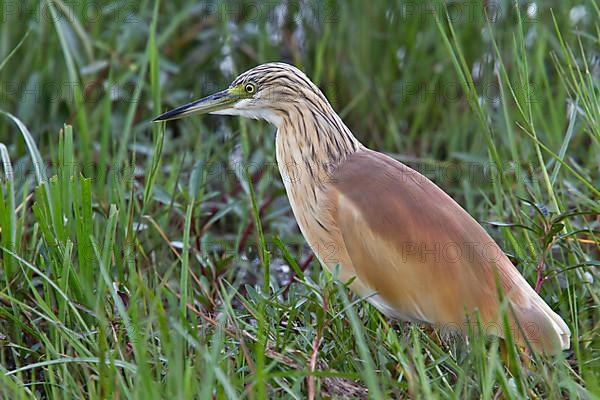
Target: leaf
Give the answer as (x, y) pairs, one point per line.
(555, 229)
(512, 225)
(14, 50)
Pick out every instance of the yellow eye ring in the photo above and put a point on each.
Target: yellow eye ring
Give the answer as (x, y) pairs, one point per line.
(250, 88)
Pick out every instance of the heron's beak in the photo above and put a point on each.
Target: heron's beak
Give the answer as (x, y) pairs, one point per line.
(215, 102)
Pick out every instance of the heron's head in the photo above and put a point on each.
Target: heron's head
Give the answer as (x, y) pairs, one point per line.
(269, 91)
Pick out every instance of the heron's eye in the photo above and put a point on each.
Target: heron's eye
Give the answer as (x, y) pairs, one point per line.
(250, 88)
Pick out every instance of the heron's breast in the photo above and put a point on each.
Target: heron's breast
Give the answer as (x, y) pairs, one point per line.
(307, 194)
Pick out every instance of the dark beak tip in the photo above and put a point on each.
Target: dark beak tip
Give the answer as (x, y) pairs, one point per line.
(164, 116)
(208, 102)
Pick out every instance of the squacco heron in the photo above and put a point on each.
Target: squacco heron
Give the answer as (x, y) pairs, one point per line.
(412, 250)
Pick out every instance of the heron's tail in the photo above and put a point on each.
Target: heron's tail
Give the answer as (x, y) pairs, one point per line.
(544, 329)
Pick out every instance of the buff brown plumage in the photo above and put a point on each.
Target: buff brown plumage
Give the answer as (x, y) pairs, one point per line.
(412, 250)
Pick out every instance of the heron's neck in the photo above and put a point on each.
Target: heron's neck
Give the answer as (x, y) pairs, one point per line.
(311, 143)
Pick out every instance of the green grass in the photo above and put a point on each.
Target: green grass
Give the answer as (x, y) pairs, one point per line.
(149, 261)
